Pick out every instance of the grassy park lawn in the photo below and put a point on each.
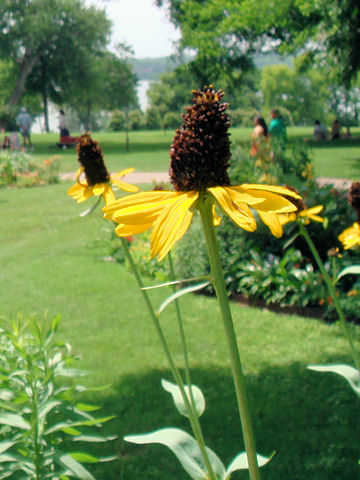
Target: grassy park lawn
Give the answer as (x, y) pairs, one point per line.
(148, 151)
(52, 259)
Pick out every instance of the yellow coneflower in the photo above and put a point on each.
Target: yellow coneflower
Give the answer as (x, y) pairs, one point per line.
(200, 155)
(97, 180)
(350, 237)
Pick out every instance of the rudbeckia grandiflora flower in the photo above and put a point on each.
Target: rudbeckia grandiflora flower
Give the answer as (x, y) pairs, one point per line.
(350, 237)
(200, 155)
(92, 178)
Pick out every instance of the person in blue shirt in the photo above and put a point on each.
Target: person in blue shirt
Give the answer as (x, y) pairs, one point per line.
(277, 130)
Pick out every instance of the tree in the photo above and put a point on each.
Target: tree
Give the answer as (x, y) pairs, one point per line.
(304, 96)
(173, 90)
(49, 40)
(232, 30)
(107, 82)
(203, 25)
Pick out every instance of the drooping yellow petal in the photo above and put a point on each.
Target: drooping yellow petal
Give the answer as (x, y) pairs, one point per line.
(139, 200)
(350, 236)
(172, 224)
(285, 218)
(99, 189)
(272, 221)
(146, 213)
(310, 214)
(108, 195)
(116, 178)
(76, 191)
(270, 188)
(86, 193)
(78, 175)
(239, 195)
(261, 199)
(216, 218)
(126, 230)
(238, 212)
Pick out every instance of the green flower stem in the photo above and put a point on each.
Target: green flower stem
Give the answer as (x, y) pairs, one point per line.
(194, 420)
(205, 208)
(332, 292)
(182, 335)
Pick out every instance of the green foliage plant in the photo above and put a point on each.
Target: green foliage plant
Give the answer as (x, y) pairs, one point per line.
(42, 421)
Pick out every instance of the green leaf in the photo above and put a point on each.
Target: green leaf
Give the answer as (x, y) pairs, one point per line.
(6, 445)
(290, 241)
(351, 270)
(350, 374)
(94, 438)
(91, 209)
(96, 421)
(83, 457)
(14, 421)
(176, 282)
(6, 457)
(240, 462)
(86, 408)
(75, 467)
(180, 293)
(71, 431)
(197, 394)
(45, 409)
(185, 448)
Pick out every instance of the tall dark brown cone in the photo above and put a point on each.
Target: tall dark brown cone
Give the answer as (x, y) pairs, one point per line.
(354, 198)
(200, 151)
(91, 157)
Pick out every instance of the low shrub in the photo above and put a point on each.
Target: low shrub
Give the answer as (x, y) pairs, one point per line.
(19, 168)
(43, 423)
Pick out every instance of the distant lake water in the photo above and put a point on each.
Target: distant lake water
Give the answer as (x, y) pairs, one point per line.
(38, 125)
(141, 90)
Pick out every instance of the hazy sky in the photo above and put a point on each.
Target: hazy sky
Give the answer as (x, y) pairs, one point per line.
(142, 25)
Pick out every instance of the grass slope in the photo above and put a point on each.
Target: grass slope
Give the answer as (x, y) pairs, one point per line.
(52, 259)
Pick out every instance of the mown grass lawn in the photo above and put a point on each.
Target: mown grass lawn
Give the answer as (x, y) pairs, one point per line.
(52, 259)
(149, 151)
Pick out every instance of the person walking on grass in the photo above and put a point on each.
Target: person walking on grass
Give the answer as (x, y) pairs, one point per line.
(23, 121)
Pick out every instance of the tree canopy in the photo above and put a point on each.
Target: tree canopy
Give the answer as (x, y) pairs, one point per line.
(228, 32)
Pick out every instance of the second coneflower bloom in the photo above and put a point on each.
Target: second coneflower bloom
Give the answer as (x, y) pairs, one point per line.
(303, 214)
(350, 237)
(93, 178)
(200, 155)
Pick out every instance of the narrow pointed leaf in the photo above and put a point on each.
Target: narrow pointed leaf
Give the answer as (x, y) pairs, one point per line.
(76, 468)
(290, 241)
(83, 457)
(185, 448)
(6, 445)
(14, 421)
(180, 293)
(6, 457)
(84, 407)
(350, 374)
(94, 438)
(91, 209)
(240, 462)
(351, 270)
(197, 394)
(176, 282)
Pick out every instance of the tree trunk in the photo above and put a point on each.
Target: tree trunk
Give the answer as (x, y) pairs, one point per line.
(25, 69)
(87, 117)
(46, 109)
(44, 93)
